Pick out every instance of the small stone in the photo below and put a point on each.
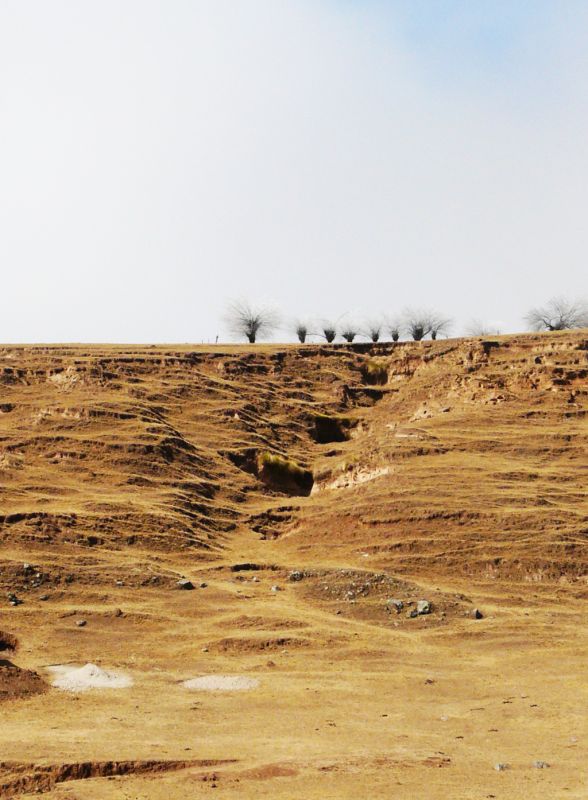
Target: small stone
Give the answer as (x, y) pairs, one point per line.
(118, 612)
(412, 613)
(205, 649)
(276, 589)
(184, 583)
(44, 597)
(500, 767)
(81, 623)
(540, 764)
(203, 585)
(255, 579)
(120, 583)
(296, 575)
(475, 613)
(14, 600)
(26, 567)
(423, 607)
(394, 605)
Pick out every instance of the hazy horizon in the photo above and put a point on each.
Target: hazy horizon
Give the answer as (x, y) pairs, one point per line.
(159, 159)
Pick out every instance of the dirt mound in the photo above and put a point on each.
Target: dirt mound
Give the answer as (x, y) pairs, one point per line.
(263, 623)
(255, 644)
(8, 641)
(17, 683)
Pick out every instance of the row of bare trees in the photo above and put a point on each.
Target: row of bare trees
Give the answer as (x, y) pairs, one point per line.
(252, 323)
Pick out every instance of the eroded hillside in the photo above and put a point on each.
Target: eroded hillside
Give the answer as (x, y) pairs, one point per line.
(388, 541)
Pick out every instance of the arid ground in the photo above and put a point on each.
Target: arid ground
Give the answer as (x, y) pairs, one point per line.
(313, 497)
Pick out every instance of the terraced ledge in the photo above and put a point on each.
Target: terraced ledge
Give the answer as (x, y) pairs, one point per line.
(18, 778)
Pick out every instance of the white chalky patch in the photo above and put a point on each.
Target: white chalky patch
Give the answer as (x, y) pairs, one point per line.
(90, 676)
(221, 683)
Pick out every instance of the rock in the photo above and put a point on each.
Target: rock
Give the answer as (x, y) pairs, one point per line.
(184, 583)
(203, 585)
(44, 597)
(412, 613)
(26, 568)
(423, 607)
(255, 579)
(540, 764)
(118, 612)
(276, 589)
(500, 767)
(120, 583)
(14, 600)
(81, 623)
(475, 613)
(394, 605)
(296, 575)
(205, 649)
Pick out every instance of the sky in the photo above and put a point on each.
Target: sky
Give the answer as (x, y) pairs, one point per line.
(159, 158)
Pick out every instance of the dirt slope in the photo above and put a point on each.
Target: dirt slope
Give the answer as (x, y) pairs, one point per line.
(450, 472)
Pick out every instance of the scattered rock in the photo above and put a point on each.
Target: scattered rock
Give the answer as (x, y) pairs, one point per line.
(500, 767)
(412, 613)
(184, 583)
(276, 589)
(296, 575)
(540, 764)
(203, 585)
(14, 600)
(81, 623)
(44, 597)
(475, 613)
(120, 583)
(423, 607)
(394, 605)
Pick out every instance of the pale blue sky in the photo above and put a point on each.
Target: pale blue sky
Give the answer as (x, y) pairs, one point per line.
(158, 157)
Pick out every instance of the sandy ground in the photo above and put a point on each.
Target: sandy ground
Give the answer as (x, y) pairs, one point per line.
(347, 698)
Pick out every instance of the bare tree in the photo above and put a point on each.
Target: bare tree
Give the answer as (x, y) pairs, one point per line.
(417, 323)
(439, 326)
(328, 330)
(394, 329)
(349, 331)
(250, 322)
(477, 328)
(301, 330)
(373, 330)
(558, 314)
